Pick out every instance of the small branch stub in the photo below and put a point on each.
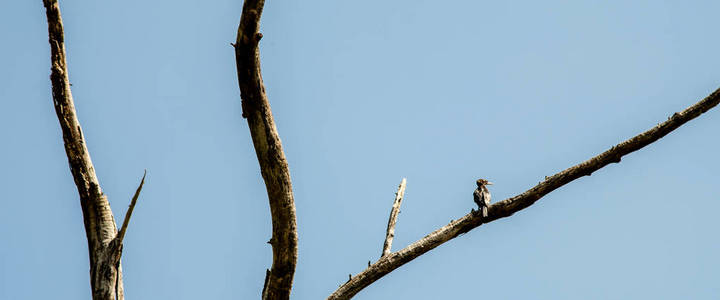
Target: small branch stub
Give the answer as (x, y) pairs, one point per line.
(128, 214)
(390, 234)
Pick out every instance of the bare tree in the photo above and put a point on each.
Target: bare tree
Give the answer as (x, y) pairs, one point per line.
(256, 106)
(105, 240)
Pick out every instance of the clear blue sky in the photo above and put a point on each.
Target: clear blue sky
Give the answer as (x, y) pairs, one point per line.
(365, 93)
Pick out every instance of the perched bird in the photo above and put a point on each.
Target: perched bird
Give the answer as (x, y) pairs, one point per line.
(482, 196)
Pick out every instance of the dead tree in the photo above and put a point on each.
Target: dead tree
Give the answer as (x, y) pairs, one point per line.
(274, 169)
(105, 242)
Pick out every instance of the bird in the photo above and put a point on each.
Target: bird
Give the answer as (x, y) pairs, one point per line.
(482, 196)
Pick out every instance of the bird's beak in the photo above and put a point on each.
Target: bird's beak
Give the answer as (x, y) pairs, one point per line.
(489, 183)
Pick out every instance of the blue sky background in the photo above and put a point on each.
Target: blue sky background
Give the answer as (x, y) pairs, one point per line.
(365, 93)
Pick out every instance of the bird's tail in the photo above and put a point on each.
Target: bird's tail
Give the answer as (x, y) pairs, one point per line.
(484, 211)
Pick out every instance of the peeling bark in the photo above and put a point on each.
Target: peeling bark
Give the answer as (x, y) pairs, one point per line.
(270, 155)
(512, 205)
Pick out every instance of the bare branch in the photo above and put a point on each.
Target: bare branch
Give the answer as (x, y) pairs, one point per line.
(512, 205)
(390, 234)
(105, 272)
(128, 214)
(81, 166)
(273, 165)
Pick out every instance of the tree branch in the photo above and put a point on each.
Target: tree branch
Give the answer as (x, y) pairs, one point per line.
(273, 165)
(390, 234)
(128, 214)
(81, 166)
(105, 274)
(512, 205)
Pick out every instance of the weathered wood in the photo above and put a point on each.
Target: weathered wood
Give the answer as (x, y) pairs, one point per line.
(104, 245)
(512, 205)
(268, 147)
(121, 234)
(390, 233)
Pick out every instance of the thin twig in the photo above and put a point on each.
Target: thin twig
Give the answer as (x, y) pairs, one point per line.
(128, 214)
(512, 205)
(390, 234)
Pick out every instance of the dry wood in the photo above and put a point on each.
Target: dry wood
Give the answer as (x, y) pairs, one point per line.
(512, 205)
(273, 165)
(121, 234)
(390, 234)
(104, 243)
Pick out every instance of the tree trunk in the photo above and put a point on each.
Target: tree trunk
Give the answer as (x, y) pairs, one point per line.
(104, 242)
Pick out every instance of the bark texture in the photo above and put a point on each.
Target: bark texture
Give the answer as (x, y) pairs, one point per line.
(390, 233)
(268, 147)
(104, 247)
(509, 206)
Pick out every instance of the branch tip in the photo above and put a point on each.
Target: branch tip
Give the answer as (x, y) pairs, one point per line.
(390, 233)
(121, 234)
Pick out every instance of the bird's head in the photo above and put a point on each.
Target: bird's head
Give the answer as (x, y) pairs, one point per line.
(481, 182)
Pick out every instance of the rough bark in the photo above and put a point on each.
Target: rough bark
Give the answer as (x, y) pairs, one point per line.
(390, 233)
(104, 247)
(268, 147)
(512, 205)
